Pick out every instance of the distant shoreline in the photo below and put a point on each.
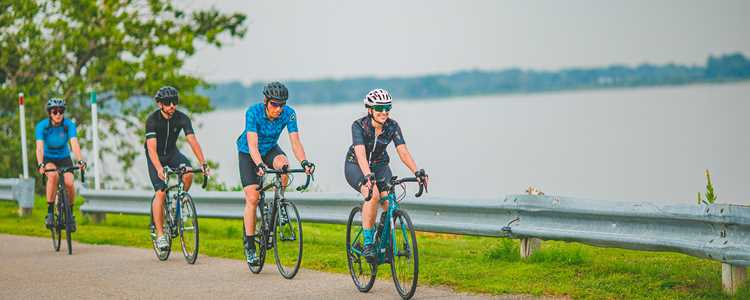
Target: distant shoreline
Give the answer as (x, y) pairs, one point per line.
(453, 98)
(718, 70)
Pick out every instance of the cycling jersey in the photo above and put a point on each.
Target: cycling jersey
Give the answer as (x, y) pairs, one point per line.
(256, 120)
(165, 131)
(363, 133)
(55, 137)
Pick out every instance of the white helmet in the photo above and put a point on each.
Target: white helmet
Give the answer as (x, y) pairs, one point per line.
(377, 97)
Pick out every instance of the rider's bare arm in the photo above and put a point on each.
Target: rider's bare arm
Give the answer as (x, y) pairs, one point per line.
(151, 146)
(252, 141)
(297, 148)
(196, 147)
(406, 158)
(359, 151)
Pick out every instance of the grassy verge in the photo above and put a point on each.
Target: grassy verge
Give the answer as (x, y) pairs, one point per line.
(471, 264)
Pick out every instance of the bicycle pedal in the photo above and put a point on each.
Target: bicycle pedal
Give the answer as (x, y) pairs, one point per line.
(358, 246)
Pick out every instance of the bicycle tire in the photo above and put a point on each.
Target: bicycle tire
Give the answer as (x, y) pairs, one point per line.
(358, 266)
(161, 255)
(405, 255)
(56, 229)
(67, 220)
(287, 232)
(261, 236)
(190, 244)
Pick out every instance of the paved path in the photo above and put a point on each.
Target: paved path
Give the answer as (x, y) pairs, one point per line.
(30, 269)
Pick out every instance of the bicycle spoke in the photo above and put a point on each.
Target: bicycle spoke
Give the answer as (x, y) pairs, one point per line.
(287, 245)
(362, 273)
(188, 227)
(405, 262)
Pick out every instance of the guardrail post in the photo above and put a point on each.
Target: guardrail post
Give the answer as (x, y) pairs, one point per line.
(732, 277)
(96, 217)
(23, 192)
(529, 245)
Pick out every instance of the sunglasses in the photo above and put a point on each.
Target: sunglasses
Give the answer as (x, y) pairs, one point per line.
(276, 104)
(169, 102)
(382, 108)
(56, 111)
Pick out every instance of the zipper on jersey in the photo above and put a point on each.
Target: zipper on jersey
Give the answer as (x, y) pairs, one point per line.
(167, 139)
(374, 143)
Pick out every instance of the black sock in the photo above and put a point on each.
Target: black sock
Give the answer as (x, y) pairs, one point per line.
(50, 207)
(250, 241)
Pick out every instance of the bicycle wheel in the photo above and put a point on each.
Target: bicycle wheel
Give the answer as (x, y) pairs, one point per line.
(261, 236)
(161, 255)
(188, 224)
(363, 273)
(67, 219)
(404, 255)
(56, 229)
(287, 239)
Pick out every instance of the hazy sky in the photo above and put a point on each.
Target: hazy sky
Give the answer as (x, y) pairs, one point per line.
(338, 39)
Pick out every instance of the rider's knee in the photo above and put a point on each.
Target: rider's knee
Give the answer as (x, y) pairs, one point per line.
(280, 161)
(52, 176)
(375, 196)
(251, 194)
(188, 177)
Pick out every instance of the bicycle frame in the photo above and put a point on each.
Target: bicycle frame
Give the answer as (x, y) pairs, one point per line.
(180, 172)
(383, 238)
(168, 198)
(278, 195)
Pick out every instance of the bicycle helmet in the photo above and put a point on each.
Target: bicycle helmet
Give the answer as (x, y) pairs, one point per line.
(55, 102)
(377, 97)
(167, 93)
(276, 90)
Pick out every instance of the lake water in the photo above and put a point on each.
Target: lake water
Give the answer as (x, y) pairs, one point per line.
(646, 144)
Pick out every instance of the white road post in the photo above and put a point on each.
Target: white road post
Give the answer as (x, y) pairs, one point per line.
(22, 123)
(95, 136)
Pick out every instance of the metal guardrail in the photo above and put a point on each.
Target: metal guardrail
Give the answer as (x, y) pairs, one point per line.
(19, 190)
(719, 231)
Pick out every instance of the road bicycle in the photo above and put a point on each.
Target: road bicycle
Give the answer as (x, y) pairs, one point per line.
(62, 213)
(278, 226)
(180, 217)
(395, 242)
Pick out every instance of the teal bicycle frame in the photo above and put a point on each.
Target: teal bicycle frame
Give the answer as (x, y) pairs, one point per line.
(384, 241)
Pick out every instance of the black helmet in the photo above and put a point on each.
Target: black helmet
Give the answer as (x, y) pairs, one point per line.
(55, 102)
(167, 93)
(276, 90)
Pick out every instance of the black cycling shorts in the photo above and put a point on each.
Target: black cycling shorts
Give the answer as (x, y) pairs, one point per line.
(355, 178)
(248, 169)
(173, 161)
(59, 162)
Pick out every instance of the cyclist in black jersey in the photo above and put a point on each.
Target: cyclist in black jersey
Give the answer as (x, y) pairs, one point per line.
(366, 164)
(162, 129)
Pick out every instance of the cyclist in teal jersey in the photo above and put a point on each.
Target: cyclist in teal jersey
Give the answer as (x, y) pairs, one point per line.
(258, 149)
(53, 135)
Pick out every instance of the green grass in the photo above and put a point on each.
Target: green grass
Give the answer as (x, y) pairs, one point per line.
(470, 264)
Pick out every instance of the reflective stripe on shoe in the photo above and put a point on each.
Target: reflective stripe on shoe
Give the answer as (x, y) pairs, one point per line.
(162, 242)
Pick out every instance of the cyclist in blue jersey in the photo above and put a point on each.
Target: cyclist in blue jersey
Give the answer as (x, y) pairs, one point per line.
(366, 164)
(52, 151)
(258, 149)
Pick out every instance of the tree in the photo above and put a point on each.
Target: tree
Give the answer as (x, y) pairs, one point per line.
(123, 49)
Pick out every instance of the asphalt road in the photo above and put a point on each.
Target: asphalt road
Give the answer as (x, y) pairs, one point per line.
(30, 269)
